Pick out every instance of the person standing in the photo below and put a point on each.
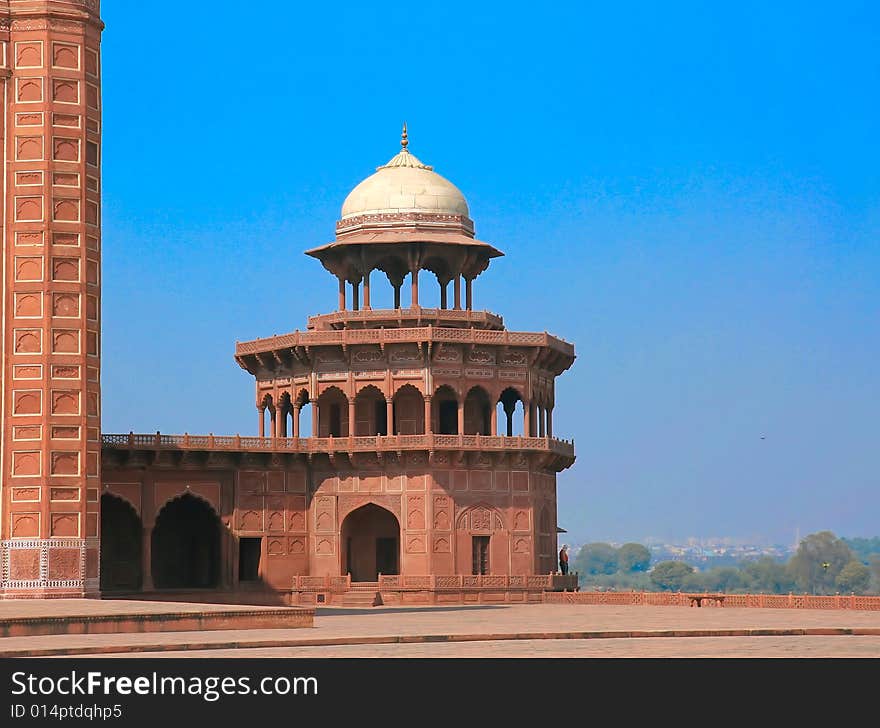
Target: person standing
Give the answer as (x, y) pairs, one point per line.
(563, 559)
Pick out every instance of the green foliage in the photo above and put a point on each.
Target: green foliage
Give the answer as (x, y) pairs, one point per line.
(635, 581)
(768, 576)
(670, 575)
(633, 557)
(596, 558)
(725, 579)
(854, 577)
(819, 559)
(823, 564)
(863, 548)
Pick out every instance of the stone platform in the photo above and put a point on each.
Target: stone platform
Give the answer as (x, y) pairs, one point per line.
(495, 630)
(30, 617)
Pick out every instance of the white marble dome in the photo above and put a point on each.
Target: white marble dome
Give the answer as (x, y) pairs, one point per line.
(404, 184)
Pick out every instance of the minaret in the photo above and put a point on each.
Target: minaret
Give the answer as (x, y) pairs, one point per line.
(51, 233)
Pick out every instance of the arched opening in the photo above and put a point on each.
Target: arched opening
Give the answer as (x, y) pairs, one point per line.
(333, 413)
(266, 409)
(409, 411)
(445, 411)
(301, 416)
(477, 412)
(435, 295)
(121, 544)
(511, 414)
(285, 407)
(395, 268)
(370, 412)
(186, 545)
(371, 543)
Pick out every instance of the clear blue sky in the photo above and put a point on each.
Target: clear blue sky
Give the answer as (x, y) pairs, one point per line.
(690, 194)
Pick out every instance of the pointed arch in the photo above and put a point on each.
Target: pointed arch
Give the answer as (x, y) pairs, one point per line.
(511, 412)
(480, 517)
(409, 411)
(186, 544)
(121, 544)
(444, 410)
(332, 413)
(477, 412)
(371, 411)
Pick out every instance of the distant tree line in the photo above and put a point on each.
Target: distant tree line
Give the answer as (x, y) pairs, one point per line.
(822, 564)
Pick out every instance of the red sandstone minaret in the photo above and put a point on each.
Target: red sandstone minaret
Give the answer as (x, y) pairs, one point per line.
(50, 456)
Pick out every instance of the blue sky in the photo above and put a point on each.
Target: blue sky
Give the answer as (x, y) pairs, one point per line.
(689, 193)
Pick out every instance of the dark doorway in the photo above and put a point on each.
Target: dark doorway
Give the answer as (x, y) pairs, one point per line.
(249, 550)
(186, 545)
(481, 554)
(335, 420)
(121, 543)
(381, 413)
(372, 536)
(448, 417)
(386, 555)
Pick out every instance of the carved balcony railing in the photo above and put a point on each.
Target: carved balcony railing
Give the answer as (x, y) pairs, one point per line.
(434, 582)
(483, 319)
(422, 334)
(481, 443)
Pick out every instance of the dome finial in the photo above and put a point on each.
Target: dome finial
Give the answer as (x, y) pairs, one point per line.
(403, 139)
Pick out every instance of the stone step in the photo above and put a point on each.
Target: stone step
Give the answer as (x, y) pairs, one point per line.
(361, 598)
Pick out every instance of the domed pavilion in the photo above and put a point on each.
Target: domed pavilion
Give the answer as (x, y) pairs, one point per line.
(404, 454)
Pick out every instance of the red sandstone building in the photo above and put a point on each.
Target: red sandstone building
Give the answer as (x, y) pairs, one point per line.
(406, 452)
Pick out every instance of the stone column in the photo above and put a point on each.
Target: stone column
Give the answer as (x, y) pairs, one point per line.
(296, 409)
(443, 295)
(262, 411)
(415, 288)
(314, 403)
(549, 422)
(493, 420)
(351, 416)
(355, 292)
(389, 416)
(367, 291)
(509, 410)
(279, 421)
(461, 417)
(540, 421)
(342, 294)
(396, 297)
(147, 558)
(469, 293)
(428, 424)
(527, 419)
(457, 293)
(273, 423)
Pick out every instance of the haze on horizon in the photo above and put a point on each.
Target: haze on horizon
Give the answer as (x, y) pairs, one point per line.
(690, 194)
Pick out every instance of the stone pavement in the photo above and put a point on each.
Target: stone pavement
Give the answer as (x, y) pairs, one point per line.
(515, 630)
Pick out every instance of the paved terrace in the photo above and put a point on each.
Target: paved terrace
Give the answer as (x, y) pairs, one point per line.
(479, 631)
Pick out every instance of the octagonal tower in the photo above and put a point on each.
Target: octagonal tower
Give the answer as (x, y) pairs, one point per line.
(440, 415)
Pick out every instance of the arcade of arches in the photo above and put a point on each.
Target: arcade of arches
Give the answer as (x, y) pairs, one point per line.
(406, 410)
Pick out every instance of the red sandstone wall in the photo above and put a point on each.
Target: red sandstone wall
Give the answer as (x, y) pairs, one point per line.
(51, 297)
(299, 514)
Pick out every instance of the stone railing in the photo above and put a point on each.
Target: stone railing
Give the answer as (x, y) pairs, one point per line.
(484, 318)
(435, 582)
(383, 336)
(236, 443)
(685, 599)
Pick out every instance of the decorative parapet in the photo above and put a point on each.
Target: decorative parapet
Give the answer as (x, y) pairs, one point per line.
(483, 319)
(306, 445)
(684, 599)
(429, 334)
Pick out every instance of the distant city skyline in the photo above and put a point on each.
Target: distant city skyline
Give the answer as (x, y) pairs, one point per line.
(690, 194)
